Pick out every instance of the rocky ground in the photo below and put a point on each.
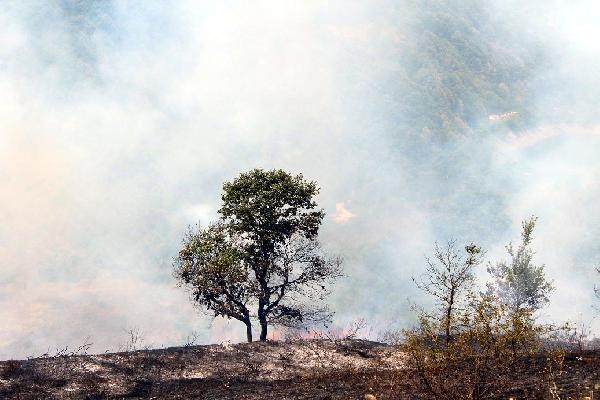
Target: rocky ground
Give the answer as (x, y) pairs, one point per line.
(315, 369)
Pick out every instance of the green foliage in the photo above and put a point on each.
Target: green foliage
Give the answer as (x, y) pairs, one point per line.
(270, 207)
(484, 358)
(518, 282)
(481, 343)
(261, 260)
(213, 268)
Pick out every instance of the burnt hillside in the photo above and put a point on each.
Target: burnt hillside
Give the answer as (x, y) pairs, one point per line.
(307, 369)
(316, 369)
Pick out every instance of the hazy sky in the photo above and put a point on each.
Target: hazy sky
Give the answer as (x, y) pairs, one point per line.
(119, 122)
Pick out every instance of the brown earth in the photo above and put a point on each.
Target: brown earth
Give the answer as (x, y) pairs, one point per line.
(313, 369)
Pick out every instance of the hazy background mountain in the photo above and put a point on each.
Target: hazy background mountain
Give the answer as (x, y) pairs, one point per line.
(421, 121)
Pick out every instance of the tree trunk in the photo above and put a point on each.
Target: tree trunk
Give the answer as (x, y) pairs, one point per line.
(449, 316)
(262, 318)
(248, 331)
(263, 330)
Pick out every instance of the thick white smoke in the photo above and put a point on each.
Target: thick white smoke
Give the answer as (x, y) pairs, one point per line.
(121, 120)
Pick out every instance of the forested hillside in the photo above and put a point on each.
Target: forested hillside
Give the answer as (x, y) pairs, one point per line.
(458, 66)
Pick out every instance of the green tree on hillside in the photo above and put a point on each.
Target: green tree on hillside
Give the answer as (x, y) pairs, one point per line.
(519, 282)
(261, 259)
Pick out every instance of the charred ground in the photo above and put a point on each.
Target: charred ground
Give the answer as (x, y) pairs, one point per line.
(313, 369)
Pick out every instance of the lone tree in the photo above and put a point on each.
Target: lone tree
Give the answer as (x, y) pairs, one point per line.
(449, 279)
(261, 259)
(519, 283)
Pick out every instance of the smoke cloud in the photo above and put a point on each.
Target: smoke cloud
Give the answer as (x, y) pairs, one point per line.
(121, 120)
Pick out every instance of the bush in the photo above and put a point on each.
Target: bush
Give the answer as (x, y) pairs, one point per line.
(485, 358)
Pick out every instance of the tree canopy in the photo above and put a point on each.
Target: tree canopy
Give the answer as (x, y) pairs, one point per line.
(261, 259)
(519, 282)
